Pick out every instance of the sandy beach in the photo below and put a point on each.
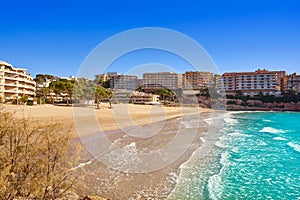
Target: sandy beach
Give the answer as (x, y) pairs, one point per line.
(138, 114)
(96, 178)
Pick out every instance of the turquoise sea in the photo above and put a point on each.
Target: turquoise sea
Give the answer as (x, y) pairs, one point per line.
(256, 156)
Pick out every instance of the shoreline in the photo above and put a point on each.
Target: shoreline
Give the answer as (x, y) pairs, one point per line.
(99, 179)
(262, 110)
(283, 107)
(160, 182)
(167, 177)
(199, 153)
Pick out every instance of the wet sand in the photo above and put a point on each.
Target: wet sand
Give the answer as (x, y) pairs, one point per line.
(100, 179)
(97, 178)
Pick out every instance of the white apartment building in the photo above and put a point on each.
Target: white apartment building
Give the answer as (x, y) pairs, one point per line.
(15, 83)
(254, 82)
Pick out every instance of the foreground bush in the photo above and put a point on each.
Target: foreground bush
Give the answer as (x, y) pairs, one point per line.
(34, 160)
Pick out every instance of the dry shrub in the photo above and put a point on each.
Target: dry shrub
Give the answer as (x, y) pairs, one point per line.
(35, 160)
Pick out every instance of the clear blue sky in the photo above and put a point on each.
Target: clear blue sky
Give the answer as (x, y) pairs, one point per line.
(55, 36)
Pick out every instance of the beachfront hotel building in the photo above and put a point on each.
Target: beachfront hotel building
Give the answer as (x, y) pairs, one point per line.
(15, 83)
(159, 80)
(102, 77)
(124, 82)
(196, 80)
(251, 83)
(294, 82)
(143, 98)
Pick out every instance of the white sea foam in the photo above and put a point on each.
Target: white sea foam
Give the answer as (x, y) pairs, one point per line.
(235, 149)
(221, 144)
(238, 134)
(215, 187)
(172, 178)
(279, 138)
(261, 143)
(294, 146)
(202, 139)
(271, 130)
(225, 158)
(202, 151)
(267, 120)
(229, 120)
(123, 158)
(209, 121)
(82, 164)
(241, 112)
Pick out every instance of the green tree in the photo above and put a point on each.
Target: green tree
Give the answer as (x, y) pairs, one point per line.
(24, 99)
(63, 86)
(69, 89)
(260, 95)
(39, 78)
(140, 89)
(100, 94)
(204, 92)
(239, 94)
(43, 93)
(166, 94)
(290, 96)
(89, 92)
(84, 90)
(106, 84)
(99, 81)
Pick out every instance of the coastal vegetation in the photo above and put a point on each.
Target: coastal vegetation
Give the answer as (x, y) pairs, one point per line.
(286, 101)
(40, 78)
(71, 91)
(35, 160)
(63, 86)
(288, 97)
(100, 94)
(289, 101)
(166, 95)
(104, 83)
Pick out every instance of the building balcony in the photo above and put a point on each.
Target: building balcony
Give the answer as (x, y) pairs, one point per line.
(26, 86)
(11, 91)
(11, 78)
(27, 93)
(28, 81)
(11, 84)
